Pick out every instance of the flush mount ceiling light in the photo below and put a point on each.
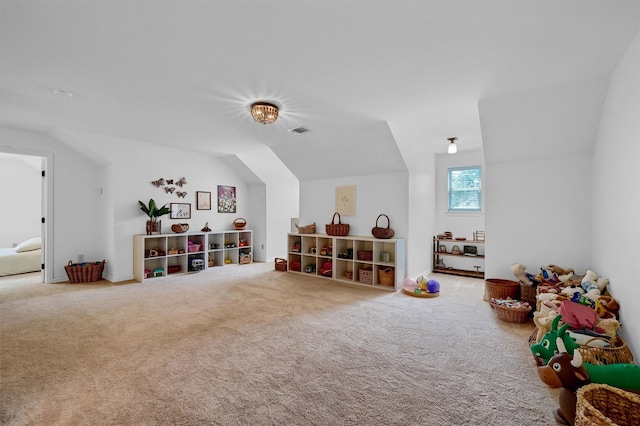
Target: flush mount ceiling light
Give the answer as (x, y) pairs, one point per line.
(453, 148)
(63, 93)
(264, 112)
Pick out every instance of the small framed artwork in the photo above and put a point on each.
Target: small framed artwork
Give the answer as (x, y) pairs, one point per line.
(203, 200)
(226, 199)
(346, 200)
(180, 211)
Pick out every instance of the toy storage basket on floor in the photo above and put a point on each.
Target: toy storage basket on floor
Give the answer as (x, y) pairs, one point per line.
(511, 314)
(85, 272)
(498, 288)
(528, 294)
(600, 404)
(281, 264)
(617, 353)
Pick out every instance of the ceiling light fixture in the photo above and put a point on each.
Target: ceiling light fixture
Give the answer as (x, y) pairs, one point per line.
(264, 112)
(62, 92)
(453, 148)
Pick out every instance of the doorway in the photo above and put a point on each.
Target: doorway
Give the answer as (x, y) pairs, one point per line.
(25, 195)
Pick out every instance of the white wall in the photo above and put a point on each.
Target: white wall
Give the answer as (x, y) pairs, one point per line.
(21, 195)
(615, 201)
(375, 194)
(77, 209)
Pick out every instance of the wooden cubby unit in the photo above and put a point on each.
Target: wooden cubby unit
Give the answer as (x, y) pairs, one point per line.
(156, 256)
(312, 252)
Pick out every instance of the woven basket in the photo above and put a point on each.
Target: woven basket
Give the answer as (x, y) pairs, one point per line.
(386, 275)
(528, 294)
(365, 276)
(365, 255)
(240, 223)
(281, 264)
(84, 272)
(179, 228)
(337, 229)
(600, 404)
(502, 289)
(616, 354)
(308, 229)
(505, 313)
(382, 233)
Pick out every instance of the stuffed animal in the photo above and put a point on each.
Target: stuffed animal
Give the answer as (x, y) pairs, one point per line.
(592, 284)
(520, 272)
(559, 271)
(571, 373)
(547, 347)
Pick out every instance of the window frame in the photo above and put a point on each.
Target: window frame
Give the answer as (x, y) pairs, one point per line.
(451, 209)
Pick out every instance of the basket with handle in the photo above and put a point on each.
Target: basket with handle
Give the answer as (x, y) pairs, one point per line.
(386, 275)
(382, 233)
(307, 229)
(337, 229)
(281, 264)
(240, 223)
(85, 272)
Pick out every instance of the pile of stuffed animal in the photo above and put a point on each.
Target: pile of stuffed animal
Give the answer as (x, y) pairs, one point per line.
(591, 314)
(573, 313)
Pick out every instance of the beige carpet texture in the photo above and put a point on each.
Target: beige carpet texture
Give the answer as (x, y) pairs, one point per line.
(247, 345)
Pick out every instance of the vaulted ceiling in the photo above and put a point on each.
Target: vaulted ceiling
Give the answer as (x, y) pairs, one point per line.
(184, 73)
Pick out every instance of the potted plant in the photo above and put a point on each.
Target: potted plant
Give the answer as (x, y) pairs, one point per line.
(153, 224)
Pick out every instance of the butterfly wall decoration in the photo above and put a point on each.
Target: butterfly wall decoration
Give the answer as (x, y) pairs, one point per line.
(169, 181)
(169, 190)
(158, 183)
(182, 182)
(181, 194)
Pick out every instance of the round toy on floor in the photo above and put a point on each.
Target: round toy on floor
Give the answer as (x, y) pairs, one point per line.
(433, 286)
(412, 288)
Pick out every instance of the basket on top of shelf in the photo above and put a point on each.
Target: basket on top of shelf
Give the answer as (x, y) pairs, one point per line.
(498, 288)
(337, 229)
(84, 272)
(382, 233)
(240, 223)
(307, 229)
(600, 404)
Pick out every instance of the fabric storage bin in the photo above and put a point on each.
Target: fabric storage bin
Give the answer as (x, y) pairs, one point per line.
(365, 276)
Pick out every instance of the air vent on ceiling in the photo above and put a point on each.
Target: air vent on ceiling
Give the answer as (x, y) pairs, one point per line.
(298, 130)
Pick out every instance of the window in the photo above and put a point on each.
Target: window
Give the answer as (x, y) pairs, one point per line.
(465, 194)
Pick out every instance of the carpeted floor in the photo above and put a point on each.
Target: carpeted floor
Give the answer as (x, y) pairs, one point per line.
(246, 345)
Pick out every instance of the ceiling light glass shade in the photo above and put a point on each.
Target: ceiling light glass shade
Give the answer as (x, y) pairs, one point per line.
(264, 113)
(453, 148)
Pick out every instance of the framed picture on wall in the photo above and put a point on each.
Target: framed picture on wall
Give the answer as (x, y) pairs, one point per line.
(180, 211)
(346, 200)
(226, 199)
(203, 200)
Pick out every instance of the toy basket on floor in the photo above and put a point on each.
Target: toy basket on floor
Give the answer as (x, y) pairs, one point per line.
(509, 313)
(528, 294)
(281, 264)
(85, 272)
(498, 288)
(617, 353)
(386, 275)
(600, 404)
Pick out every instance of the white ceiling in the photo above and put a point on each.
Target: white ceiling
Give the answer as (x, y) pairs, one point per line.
(183, 73)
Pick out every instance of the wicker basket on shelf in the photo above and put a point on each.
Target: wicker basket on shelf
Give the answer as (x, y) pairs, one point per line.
(240, 223)
(600, 404)
(337, 229)
(85, 272)
(307, 229)
(386, 275)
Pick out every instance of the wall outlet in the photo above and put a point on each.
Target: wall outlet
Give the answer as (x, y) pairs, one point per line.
(80, 258)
